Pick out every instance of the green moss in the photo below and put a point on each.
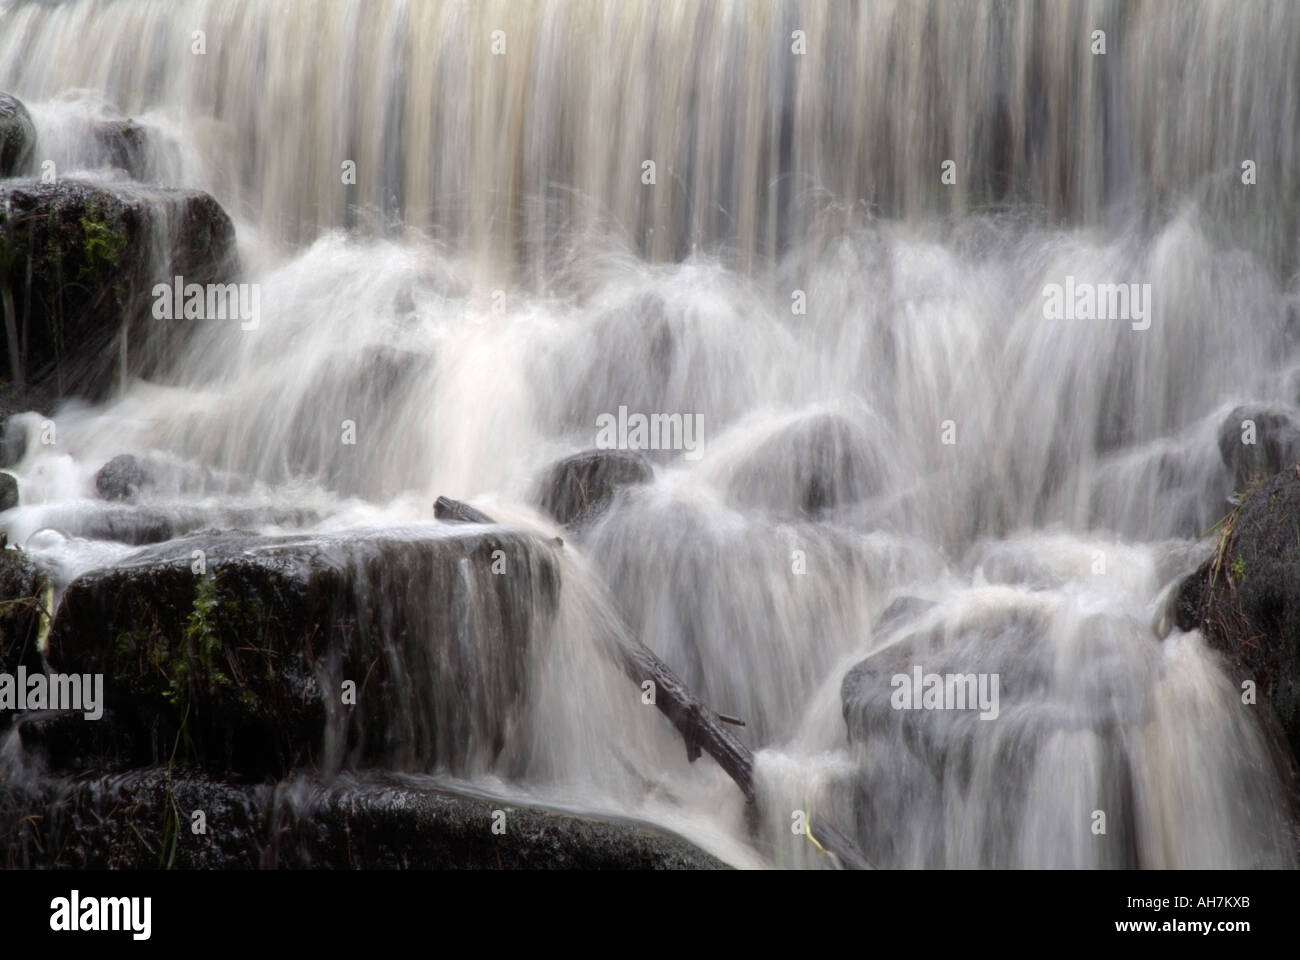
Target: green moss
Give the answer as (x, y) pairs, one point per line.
(192, 665)
(196, 660)
(103, 244)
(103, 247)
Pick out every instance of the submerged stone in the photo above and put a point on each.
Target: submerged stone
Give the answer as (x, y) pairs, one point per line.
(808, 467)
(957, 698)
(578, 489)
(125, 145)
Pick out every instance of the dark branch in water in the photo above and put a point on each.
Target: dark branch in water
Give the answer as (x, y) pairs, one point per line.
(453, 511)
(832, 841)
(699, 726)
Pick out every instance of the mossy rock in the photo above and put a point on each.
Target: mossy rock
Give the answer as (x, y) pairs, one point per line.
(88, 251)
(23, 596)
(371, 822)
(1245, 599)
(238, 660)
(1274, 433)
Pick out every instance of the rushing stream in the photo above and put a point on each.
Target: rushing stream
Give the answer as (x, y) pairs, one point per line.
(998, 492)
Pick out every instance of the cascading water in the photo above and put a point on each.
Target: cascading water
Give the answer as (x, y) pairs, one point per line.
(904, 461)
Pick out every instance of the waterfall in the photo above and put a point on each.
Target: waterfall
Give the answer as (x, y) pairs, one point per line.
(496, 125)
(478, 228)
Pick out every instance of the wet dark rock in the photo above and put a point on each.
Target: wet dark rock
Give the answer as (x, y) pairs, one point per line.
(8, 491)
(87, 251)
(77, 743)
(1245, 599)
(346, 823)
(125, 145)
(808, 467)
(18, 433)
(122, 478)
(22, 596)
(119, 523)
(246, 643)
(17, 136)
(1277, 442)
(578, 489)
(454, 511)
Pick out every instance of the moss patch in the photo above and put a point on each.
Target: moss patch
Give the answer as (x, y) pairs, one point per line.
(1245, 599)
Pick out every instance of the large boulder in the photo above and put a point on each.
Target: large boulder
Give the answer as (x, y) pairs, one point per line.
(403, 648)
(1245, 599)
(578, 489)
(78, 261)
(1073, 696)
(17, 136)
(141, 820)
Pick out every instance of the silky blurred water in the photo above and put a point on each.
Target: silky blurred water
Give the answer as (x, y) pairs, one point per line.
(500, 276)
